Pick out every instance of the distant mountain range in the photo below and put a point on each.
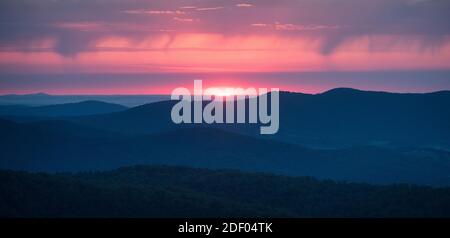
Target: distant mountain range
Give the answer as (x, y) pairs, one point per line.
(162, 191)
(334, 119)
(43, 99)
(66, 146)
(342, 134)
(61, 110)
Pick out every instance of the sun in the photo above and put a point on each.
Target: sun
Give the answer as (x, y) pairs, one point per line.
(221, 91)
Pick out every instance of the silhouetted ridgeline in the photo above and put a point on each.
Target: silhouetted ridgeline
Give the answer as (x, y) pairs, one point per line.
(59, 110)
(66, 146)
(153, 191)
(337, 118)
(376, 137)
(42, 99)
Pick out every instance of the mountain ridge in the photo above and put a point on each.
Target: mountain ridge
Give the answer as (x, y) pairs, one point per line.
(58, 110)
(323, 120)
(69, 147)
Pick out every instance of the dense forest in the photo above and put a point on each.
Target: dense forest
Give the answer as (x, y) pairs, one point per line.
(166, 191)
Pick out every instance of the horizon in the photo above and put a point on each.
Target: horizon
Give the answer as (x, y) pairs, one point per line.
(281, 91)
(416, 81)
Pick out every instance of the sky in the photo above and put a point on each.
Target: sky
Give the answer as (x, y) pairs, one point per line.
(150, 47)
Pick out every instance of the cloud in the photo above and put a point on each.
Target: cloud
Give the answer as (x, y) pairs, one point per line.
(260, 24)
(414, 2)
(188, 7)
(244, 5)
(293, 27)
(183, 19)
(77, 25)
(208, 8)
(155, 12)
(81, 26)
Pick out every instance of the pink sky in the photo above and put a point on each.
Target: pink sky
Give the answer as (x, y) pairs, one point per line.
(195, 36)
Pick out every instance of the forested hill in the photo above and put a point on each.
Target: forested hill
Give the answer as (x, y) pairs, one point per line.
(163, 191)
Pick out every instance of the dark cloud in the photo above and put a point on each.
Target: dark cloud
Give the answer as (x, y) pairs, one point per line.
(25, 21)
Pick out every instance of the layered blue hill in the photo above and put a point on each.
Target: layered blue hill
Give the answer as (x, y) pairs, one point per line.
(334, 119)
(60, 110)
(61, 146)
(342, 134)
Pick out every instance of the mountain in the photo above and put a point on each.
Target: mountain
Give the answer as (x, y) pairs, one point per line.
(60, 110)
(61, 146)
(337, 118)
(343, 117)
(162, 191)
(345, 135)
(145, 119)
(19, 96)
(42, 99)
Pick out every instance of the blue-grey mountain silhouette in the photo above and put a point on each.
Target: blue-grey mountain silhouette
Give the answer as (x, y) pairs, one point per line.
(58, 110)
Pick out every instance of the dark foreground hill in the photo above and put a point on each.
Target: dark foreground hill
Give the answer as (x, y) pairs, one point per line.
(154, 191)
(65, 146)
